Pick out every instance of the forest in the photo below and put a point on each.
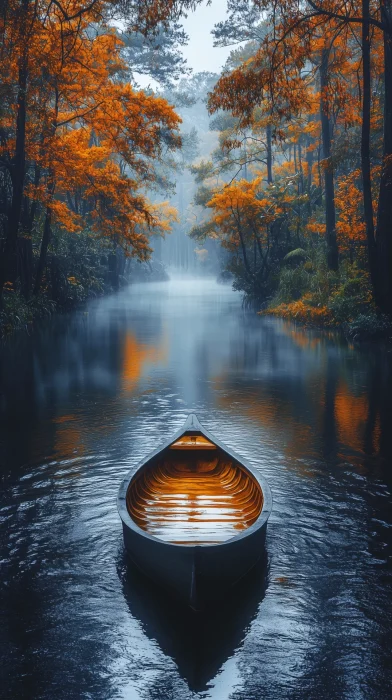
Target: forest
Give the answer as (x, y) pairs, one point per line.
(289, 199)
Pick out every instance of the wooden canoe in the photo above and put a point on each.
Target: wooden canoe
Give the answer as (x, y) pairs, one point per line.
(194, 515)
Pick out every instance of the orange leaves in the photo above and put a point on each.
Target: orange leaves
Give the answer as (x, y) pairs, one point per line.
(240, 195)
(254, 84)
(315, 227)
(163, 215)
(272, 81)
(350, 225)
(65, 218)
(302, 312)
(92, 140)
(241, 204)
(244, 211)
(134, 124)
(92, 190)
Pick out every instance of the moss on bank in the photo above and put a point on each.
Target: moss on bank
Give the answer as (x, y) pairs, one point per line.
(313, 295)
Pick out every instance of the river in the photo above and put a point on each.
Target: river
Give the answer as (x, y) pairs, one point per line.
(86, 396)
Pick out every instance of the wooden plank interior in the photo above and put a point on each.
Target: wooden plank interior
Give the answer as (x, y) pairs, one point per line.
(194, 498)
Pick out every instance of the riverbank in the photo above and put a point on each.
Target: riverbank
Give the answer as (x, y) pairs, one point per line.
(21, 314)
(312, 295)
(364, 325)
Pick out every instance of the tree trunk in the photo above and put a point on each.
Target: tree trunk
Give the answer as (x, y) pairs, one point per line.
(243, 248)
(44, 251)
(365, 150)
(25, 243)
(8, 268)
(45, 237)
(309, 162)
(25, 264)
(384, 213)
(51, 186)
(330, 214)
(301, 172)
(269, 154)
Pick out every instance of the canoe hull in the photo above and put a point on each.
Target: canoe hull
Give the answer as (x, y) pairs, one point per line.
(196, 574)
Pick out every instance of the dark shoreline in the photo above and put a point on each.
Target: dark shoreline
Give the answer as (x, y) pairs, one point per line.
(344, 329)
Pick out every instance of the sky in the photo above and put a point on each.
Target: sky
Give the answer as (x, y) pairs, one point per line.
(200, 53)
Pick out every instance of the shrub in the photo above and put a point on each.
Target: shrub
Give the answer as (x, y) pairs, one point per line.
(370, 326)
(351, 298)
(19, 313)
(293, 283)
(303, 312)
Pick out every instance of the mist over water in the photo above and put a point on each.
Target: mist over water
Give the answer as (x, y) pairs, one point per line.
(84, 399)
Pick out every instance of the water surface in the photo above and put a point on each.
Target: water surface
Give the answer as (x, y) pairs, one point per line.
(83, 399)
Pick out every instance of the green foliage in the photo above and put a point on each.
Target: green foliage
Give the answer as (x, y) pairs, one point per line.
(202, 171)
(79, 268)
(295, 255)
(293, 284)
(19, 314)
(351, 299)
(345, 298)
(370, 326)
(258, 286)
(322, 280)
(201, 231)
(305, 273)
(203, 196)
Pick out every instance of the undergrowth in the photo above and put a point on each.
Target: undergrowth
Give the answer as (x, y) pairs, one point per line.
(313, 295)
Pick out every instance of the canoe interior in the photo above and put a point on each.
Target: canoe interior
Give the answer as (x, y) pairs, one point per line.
(194, 493)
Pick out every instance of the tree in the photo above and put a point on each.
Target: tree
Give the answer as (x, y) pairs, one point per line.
(65, 83)
(371, 19)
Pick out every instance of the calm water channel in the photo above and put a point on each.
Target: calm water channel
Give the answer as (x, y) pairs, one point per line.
(83, 399)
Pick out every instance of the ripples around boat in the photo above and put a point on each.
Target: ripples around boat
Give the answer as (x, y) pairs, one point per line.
(86, 397)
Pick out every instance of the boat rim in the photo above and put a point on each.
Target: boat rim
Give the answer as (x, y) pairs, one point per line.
(193, 424)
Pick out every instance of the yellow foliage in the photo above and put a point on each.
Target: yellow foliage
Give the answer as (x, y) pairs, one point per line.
(302, 312)
(348, 198)
(93, 140)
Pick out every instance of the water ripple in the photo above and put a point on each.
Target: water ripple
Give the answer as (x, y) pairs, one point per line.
(85, 399)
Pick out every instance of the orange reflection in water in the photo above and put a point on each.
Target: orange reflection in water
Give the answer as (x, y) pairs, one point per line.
(352, 416)
(334, 417)
(137, 356)
(278, 417)
(68, 441)
(64, 419)
(300, 336)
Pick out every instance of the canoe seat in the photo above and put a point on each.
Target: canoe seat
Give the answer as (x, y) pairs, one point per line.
(192, 442)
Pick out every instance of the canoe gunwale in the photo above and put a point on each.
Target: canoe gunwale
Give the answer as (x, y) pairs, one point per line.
(192, 425)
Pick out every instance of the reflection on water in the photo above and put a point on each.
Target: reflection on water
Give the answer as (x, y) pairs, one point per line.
(86, 397)
(199, 643)
(138, 357)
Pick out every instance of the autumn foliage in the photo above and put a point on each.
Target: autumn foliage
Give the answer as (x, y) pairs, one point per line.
(304, 114)
(297, 191)
(79, 145)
